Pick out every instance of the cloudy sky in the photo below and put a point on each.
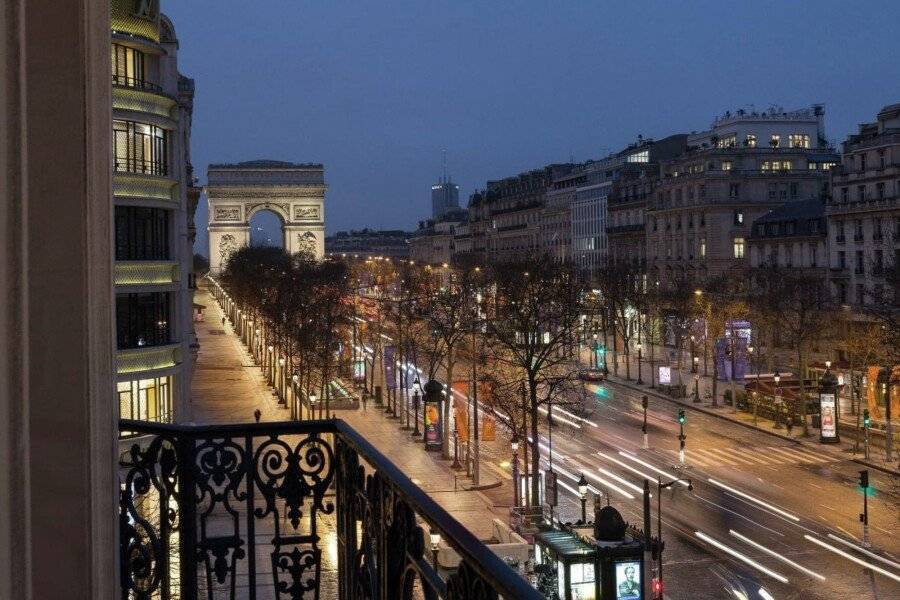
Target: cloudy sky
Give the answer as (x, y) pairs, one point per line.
(375, 90)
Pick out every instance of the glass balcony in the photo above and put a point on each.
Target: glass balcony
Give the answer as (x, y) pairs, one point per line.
(287, 511)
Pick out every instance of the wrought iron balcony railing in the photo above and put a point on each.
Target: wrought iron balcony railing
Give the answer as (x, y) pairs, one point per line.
(286, 510)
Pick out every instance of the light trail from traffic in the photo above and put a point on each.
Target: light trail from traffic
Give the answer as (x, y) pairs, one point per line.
(864, 551)
(651, 467)
(774, 554)
(755, 500)
(849, 556)
(741, 557)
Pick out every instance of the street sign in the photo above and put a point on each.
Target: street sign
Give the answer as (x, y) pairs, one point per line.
(550, 488)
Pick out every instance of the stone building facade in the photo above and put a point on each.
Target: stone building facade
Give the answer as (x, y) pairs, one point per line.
(152, 183)
(393, 243)
(295, 192)
(748, 163)
(863, 211)
(791, 237)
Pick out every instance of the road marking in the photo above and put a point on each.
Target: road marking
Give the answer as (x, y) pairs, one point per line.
(746, 559)
(721, 456)
(791, 455)
(651, 467)
(774, 554)
(864, 551)
(755, 500)
(849, 556)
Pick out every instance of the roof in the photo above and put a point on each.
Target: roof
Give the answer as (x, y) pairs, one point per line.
(812, 208)
(266, 164)
(564, 543)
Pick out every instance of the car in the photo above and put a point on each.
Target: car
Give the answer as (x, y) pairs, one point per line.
(592, 375)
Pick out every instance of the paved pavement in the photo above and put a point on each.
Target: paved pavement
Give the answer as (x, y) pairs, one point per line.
(228, 387)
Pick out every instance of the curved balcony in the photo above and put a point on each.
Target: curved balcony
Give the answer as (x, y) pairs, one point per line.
(153, 358)
(145, 272)
(145, 187)
(287, 510)
(143, 97)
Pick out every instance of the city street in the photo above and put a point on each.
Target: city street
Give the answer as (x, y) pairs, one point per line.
(754, 494)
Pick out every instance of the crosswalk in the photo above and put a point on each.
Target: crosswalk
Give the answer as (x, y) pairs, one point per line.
(754, 456)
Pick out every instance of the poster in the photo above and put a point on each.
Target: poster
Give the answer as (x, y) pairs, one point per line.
(829, 415)
(390, 377)
(461, 414)
(665, 375)
(359, 370)
(488, 431)
(432, 419)
(628, 580)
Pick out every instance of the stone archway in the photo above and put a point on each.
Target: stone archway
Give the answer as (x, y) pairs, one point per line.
(295, 192)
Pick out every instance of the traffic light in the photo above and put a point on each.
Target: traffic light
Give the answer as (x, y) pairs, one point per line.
(681, 417)
(864, 480)
(867, 419)
(644, 402)
(656, 586)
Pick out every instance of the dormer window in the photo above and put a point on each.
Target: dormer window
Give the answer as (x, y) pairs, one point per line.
(750, 142)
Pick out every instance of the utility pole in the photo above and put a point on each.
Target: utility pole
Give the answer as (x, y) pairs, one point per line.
(867, 422)
(864, 515)
(681, 436)
(644, 426)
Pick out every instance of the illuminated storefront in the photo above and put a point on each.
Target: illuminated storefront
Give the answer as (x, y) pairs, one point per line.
(146, 399)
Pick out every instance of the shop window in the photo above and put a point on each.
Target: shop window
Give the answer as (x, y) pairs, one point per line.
(146, 399)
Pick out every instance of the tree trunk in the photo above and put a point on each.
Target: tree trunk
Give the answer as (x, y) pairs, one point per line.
(535, 449)
(801, 356)
(715, 383)
(448, 403)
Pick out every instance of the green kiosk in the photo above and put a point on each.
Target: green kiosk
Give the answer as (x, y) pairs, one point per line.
(606, 563)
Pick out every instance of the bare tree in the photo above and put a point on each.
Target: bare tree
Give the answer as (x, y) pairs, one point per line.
(536, 311)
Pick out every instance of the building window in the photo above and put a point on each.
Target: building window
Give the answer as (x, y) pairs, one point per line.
(860, 263)
(146, 399)
(140, 148)
(734, 190)
(726, 165)
(841, 292)
(142, 233)
(728, 141)
(879, 190)
(702, 192)
(751, 140)
(877, 233)
(881, 159)
(127, 66)
(842, 260)
(860, 293)
(798, 140)
(813, 255)
(775, 140)
(703, 247)
(861, 192)
(142, 320)
(789, 228)
(862, 161)
(879, 261)
(739, 247)
(738, 217)
(639, 157)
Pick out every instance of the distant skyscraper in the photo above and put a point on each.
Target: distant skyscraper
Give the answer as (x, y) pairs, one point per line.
(444, 194)
(444, 197)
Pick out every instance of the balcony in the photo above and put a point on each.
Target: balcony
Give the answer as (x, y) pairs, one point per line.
(151, 358)
(287, 510)
(147, 273)
(143, 97)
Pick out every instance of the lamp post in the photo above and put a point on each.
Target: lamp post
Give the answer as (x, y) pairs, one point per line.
(435, 539)
(696, 386)
(281, 385)
(582, 492)
(594, 362)
(777, 397)
(639, 380)
(417, 388)
(296, 408)
(514, 444)
(312, 406)
(660, 486)
(644, 404)
(694, 358)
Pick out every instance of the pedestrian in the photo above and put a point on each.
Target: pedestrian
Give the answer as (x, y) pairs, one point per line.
(790, 424)
(364, 401)
(257, 414)
(223, 321)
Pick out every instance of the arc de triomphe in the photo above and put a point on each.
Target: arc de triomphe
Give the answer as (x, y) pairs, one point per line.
(295, 192)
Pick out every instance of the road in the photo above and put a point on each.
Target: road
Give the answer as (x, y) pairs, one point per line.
(764, 513)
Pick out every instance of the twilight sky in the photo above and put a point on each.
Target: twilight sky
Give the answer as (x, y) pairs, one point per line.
(375, 90)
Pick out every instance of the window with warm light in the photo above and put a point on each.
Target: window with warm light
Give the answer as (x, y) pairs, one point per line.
(751, 140)
(146, 399)
(775, 140)
(726, 165)
(727, 141)
(140, 148)
(739, 247)
(703, 247)
(127, 66)
(798, 140)
(639, 157)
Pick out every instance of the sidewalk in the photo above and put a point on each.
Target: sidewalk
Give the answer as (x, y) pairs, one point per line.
(228, 387)
(843, 450)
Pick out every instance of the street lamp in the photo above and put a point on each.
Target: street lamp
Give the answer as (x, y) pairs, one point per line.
(694, 358)
(594, 362)
(660, 486)
(639, 380)
(696, 386)
(312, 405)
(295, 379)
(514, 444)
(582, 492)
(417, 389)
(435, 539)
